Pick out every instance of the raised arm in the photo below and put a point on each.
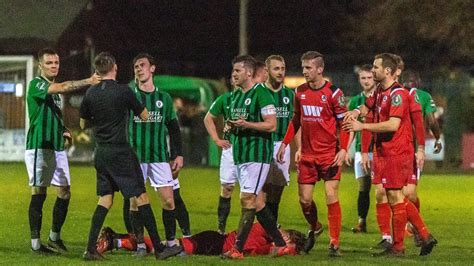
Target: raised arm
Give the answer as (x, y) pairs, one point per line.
(72, 85)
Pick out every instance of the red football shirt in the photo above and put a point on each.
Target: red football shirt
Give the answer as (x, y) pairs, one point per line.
(317, 112)
(393, 102)
(258, 243)
(413, 104)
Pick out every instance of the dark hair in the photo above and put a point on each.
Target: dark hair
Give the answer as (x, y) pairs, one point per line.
(103, 63)
(388, 60)
(313, 55)
(297, 238)
(274, 57)
(365, 67)
(150, 58)
(44, 51)
(249, 62)
(259, 65)
(411, 73)
(400, 62)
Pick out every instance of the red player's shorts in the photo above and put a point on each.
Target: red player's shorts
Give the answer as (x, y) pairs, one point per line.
(392, 171)
(313, 169)
(415, 174)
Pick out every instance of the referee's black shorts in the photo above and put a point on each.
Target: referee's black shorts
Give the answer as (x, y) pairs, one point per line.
(117, 169)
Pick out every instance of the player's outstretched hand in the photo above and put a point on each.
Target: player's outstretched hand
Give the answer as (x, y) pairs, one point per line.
(281, 153)
(339, 158)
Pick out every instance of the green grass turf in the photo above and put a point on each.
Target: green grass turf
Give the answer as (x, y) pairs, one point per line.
(447, 205)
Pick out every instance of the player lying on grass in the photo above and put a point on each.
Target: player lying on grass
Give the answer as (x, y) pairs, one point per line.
(209, 242)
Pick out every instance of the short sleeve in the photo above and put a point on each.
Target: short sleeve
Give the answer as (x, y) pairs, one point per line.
(339, 103)
(38, 88)
(399, 103)
(430, 104)
(264, 97)
(414, 100)
(217, 107)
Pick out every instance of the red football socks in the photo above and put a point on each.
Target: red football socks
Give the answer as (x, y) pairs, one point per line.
(334, 217)
(384, 215)
(415, 219)
(399, 221)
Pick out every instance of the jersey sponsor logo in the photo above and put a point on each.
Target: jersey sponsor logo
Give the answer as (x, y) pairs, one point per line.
(153, 117)
(396, 100)
(282, 112)
(311, 110)
(341, 100)
(248, 101)
(159, 104)
(239, 113)
(286, 100)
(324, 98)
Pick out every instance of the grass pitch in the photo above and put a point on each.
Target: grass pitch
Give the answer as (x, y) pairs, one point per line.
(447, 204)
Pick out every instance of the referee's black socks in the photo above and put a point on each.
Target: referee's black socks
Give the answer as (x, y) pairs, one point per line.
(245, 225)
(127, 216)
(150, 224)
(96, 224)
(137, 230)
(35, 214)
(268, 222)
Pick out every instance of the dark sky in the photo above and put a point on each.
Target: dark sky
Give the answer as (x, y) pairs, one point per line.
(201, 37)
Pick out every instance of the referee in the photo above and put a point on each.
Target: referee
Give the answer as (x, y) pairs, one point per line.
(106, 107)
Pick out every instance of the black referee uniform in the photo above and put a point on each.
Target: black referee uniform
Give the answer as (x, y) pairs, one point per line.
(107, 106)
